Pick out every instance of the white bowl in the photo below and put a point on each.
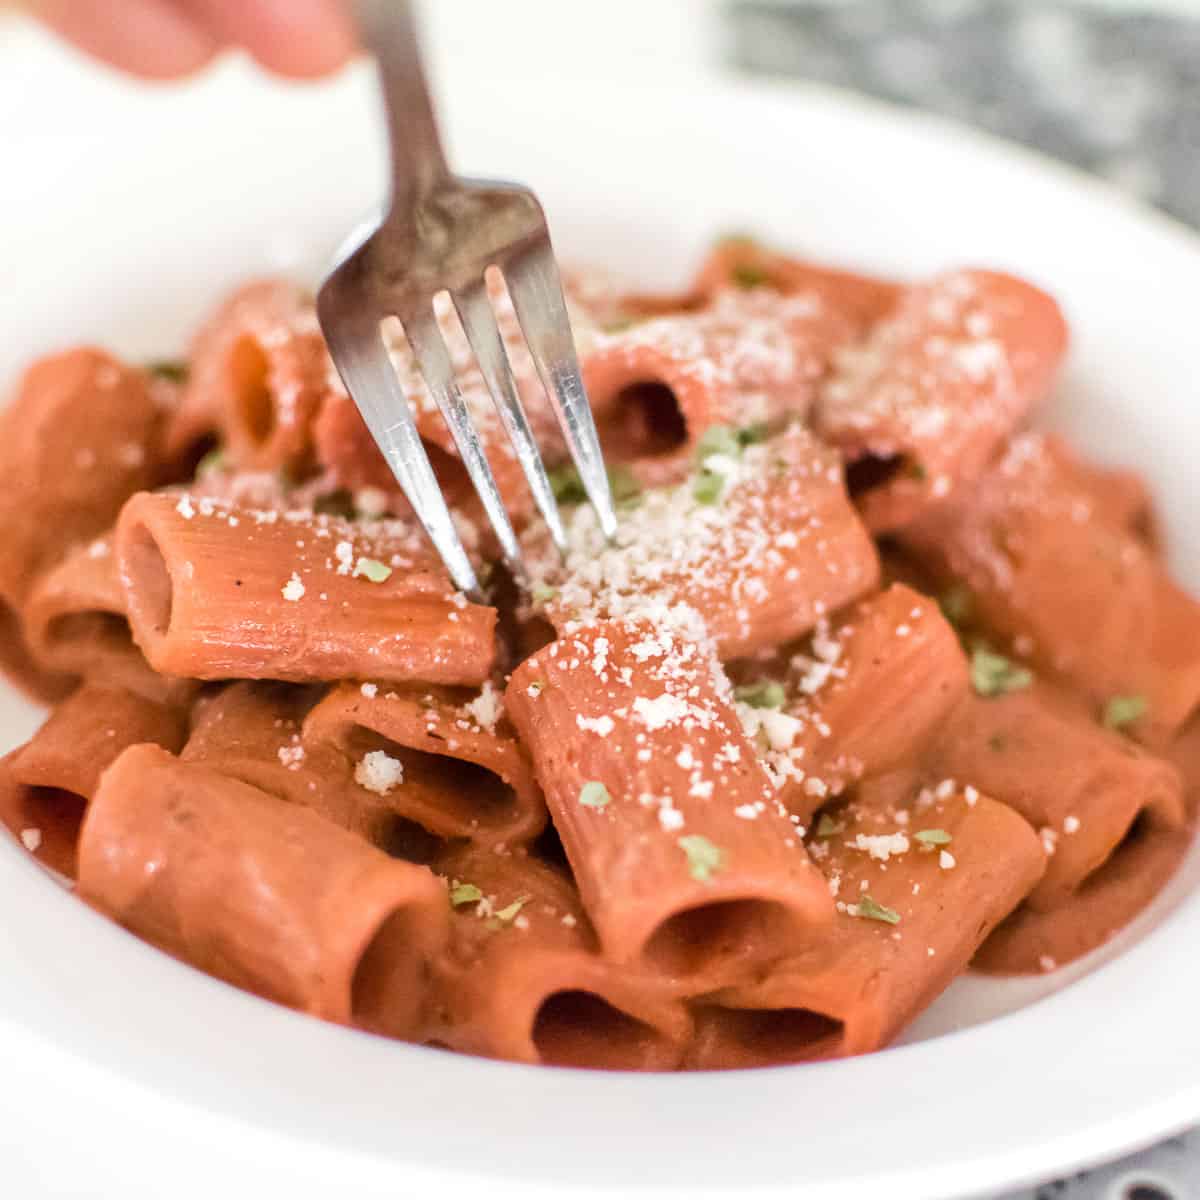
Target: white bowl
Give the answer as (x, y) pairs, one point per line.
(154, 1076)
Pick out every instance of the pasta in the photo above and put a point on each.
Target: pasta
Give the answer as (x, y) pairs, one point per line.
(82, 434)
(926, 400)
(631, 742)
(914, 912)
(464, 773)
(259, 374)
(1033, 550)
(524, 981)
(47, 784)
(260, 892)
(216, 592)
(872, 686)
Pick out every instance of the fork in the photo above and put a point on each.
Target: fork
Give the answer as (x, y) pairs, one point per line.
(439, 235)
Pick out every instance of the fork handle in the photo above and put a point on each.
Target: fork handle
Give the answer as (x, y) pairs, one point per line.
(389, 31)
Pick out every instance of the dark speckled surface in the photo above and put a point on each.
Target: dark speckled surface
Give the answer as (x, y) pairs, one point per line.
(1113, 91)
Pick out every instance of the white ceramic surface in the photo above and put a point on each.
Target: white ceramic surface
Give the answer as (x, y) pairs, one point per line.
(123, 230)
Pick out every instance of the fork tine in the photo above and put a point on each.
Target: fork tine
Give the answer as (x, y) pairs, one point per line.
(434, 362)
(366, 370)
(533, 283)
(479, 322)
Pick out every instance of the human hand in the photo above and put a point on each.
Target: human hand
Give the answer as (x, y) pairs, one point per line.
(163, 39)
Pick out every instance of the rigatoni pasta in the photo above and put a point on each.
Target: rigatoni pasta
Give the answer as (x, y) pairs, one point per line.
(872, 685)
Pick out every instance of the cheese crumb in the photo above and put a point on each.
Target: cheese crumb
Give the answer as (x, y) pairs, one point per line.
(1070, 825)
(184, 508)
(598, 725)
(292, 590)
(1047, 963)
(486, 707)
(31, 839)
(881, 846)
(291, 757)
(670, 818)
(947, 861)
(370, 690)
(661, 711)
(748, 812)
(379, 772)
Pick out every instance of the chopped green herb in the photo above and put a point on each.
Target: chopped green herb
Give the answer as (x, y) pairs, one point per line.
(765, 694)
(704, 859)
(215, 460)
(542, 593)
(169, 368)
(535, 687)
(372, 569)
(626, 491)
(916, 470)
(594, 794)
(873, 911)
(509, 911)
(751, 435)
(568, 488)
(956, 603)
(994, 675)
(620, 324)
(708, 487)
(718, 439)
(464, 893)
(728, 441)
(339, 503)
(566, 485)
(827, 826)
(748, 275)
(932, 837)
(1124, 710)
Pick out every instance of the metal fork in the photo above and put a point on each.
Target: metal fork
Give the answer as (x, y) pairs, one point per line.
(440, 234)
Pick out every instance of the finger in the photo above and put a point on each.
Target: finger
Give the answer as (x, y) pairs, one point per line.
(150, 38)
(301, 38)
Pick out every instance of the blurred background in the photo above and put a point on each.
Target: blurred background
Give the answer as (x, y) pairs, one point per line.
(1112, 86)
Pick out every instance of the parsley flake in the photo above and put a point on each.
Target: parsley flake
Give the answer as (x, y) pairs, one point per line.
(956, 603)
(338, 503)
(747, 275)
(765, 694)
(1124, 710)
(372, 569)
(704, 859)
(168, 368)
(214, 461)
(510, 911)
(871, 910)
(994, 675)
(464, 893)
(827, 826)
(566, 485)
(718, 439)
(594, 794)
(542, 593)
(708, 487)
(932, 837)
(625, 489)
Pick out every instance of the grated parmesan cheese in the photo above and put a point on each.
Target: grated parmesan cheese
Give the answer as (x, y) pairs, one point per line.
(379, 772)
